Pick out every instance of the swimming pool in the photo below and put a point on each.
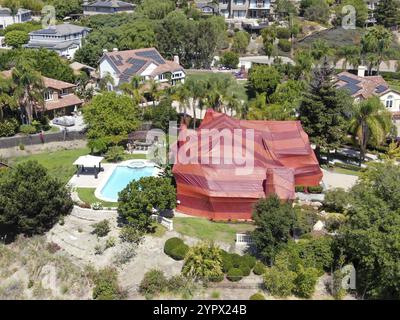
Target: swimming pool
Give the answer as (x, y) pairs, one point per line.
(122, 176)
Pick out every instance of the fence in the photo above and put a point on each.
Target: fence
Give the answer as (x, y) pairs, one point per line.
(169, 224)
(243, 239)
(32, 139)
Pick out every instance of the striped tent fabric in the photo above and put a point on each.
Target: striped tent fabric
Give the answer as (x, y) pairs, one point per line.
(267, 157)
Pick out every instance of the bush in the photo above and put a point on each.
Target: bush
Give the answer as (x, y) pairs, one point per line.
(283, 33)
(106, 285)
(348, 166)
(8, 128)
(249, 260)
(245, 270)
(154, 281)
(125, 253)
(27, 129)
(315, 189)
(111, 242)
(284, 45)
(131, 235)
(337, 200)
(114, 154)
(279, 281)
(102, 228)
(230, 60)
(300, 188)
(234, 274)
(176, 248)
(257, 296)
(259, 268)
(305, 282)
(176, 283)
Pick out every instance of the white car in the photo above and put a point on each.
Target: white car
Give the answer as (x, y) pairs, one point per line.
(66, 121)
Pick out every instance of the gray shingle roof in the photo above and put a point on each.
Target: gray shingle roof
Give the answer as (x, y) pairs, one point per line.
(111, 4)
(60, 30)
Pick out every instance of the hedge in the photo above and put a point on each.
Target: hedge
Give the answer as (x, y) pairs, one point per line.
(310, 189)
(234, 274)
(175, 248)
(348, 166)
(8, 128)
(284, 45)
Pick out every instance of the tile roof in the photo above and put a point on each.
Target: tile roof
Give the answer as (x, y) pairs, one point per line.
(364, 87)
(64, 101)
(55, 45)
(133, 62)
(111, 4)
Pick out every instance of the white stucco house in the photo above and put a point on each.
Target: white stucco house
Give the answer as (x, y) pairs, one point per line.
(363, 87)
(65, 39)
(107, 7)
(7, 19)
(145, 63)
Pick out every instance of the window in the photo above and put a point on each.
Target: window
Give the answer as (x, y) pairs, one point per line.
(389, 102)
(48, 95)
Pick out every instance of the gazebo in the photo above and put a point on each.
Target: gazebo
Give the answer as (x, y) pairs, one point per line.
(88, 161)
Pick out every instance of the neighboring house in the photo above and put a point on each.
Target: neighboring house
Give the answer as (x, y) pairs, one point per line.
(363, 87)
(58, 96)
(6, 19)
(247, 62)
(207, 7)
(145, 63)
(65, 39)
(245, 9)
(107, 7)
(372, 5)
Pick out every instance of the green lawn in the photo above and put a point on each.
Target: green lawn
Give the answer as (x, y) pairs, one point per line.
(207, 230)
(239, 90)
(87, 195)
(347, 171)
(58, 163)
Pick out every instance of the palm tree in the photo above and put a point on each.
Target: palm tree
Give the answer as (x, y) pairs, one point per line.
(181, 94)
(105, 81)
(153, 90)
(28, 88)
(350, 55)
(6, 97)
(371, 122)
(134, 88)
(197, 91)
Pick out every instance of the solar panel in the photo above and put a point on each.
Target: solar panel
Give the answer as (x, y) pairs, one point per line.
(116, 61)
(349, 80)
(153, 54)
(352, 88)
(381, 88)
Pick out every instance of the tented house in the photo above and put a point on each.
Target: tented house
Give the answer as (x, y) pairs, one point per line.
(273, 157)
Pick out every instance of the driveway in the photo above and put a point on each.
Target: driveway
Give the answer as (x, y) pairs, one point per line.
(334, 180)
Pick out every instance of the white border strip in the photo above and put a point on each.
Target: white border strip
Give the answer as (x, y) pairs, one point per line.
(108, 175)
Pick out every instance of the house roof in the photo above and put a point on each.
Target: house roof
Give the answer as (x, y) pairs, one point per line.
(364, 87)
(133, 62)
(60, 30)
(63, 102)
(7, 11)
(111, 4)
(77, 66)
(54, 45)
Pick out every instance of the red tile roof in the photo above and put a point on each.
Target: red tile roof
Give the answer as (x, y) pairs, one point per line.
(64, 101)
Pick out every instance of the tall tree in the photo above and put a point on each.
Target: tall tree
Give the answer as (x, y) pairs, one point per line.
(387, 13)
(323, 109)
(7, 99)
(350, 55)
(28, 88)
(371, 122)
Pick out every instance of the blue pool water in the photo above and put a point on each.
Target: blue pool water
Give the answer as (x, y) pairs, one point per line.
(121, 177)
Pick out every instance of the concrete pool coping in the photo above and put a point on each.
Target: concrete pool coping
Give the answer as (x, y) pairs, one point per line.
(109, 173)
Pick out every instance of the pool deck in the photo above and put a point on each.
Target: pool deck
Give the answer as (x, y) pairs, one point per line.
(88, 180)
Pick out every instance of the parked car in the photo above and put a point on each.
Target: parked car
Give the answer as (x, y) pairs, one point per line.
(66, 121)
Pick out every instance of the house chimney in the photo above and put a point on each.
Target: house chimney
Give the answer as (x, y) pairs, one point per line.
(361, 71)
(176, 59)
(115, 49)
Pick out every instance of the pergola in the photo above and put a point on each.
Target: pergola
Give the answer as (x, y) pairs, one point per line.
(88, 161)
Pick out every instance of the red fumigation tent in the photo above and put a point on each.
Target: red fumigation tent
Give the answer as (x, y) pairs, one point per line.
(267, 157)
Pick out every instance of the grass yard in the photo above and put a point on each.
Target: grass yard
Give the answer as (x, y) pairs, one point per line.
(207, 230)
(58, 163)
(394, 84)
(346, 171)
(239, 90)
(129, 157)
(87, 195)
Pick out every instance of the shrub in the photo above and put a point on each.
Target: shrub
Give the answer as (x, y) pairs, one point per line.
(111, 242)
(245, 270)
(154, 281)
(305, 282)
(176, 248)
(257, 296)
(300, 189)
(125, 253)
(21, 146)
(259, 268)
(249, 260)
(8, 128)
(27, 129)
(230, 60)
(283, 33)
(234, 274)
(337, 200)
(348, 166)
(131, 234)
(284, 45)
(315, 189)
(106, 285)
(279, 281)
(114, 154)
(177, 283)
(217, 278)
(102, 228)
